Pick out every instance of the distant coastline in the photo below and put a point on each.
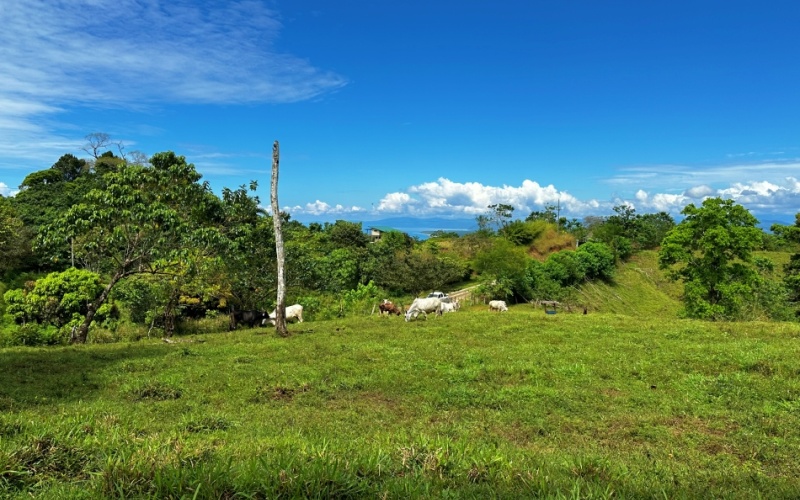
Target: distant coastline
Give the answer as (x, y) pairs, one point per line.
(422, 228)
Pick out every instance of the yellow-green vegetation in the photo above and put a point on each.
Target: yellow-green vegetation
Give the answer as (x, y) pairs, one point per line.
(639, 288)
(550, 240)
(470, 405)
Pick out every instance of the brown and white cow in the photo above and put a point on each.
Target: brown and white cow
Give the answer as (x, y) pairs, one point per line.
(389, 307)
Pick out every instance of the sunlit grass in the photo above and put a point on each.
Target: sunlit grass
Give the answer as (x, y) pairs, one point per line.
(471, 404)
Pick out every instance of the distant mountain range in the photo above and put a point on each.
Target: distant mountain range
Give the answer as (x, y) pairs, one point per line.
(766, 224)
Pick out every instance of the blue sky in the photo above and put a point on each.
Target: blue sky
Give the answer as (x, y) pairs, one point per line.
(434, 108)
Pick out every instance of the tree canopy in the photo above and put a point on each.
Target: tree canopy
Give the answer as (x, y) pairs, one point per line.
(711, 252)
(145, 219)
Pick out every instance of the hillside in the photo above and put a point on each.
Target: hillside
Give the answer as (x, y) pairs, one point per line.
(639, 289)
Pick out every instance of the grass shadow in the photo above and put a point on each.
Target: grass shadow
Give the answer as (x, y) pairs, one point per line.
(42, 376)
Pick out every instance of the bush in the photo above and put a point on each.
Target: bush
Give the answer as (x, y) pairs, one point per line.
(32, 334)
(565, 268)
(597, 260)
(57, 299)
(540, 285)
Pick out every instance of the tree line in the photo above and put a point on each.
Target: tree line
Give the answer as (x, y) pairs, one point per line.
(122, 239)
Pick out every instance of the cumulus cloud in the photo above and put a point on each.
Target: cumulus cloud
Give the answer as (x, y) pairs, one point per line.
(447, 198)
(396, 202)
(6, 191)
(444, 197)
(660, 202)
(699, 192)
(322, 208)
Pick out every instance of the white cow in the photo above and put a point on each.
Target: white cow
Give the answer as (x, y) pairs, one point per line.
(292, 312)
(452, 306)
(498, 305)
(424, 306)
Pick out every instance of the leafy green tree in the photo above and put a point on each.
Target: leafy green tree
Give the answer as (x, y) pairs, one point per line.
(617, 231)
(503, 263)
(565, 268)
(344, 234)
(577, 229)
(500, 214)
(626, 231)
(612, 234)
(484, 224)
(142, 295)
(15, 238)
(383, 255)
(653, 228)
(360, 299)
(549, 214)
(341, 269)
(107, 163)
(540, 285)
(58, 299)
(521, 233)
(597, 261)
(250, 261)
(792, 278)
(47, 194)
(414, 272)
(790, 233)
(791, 270)
(711, 252)
(502, 259)
(146, 219)
(70, 167)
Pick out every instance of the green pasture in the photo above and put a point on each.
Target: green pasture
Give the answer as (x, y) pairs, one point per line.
(470, 405)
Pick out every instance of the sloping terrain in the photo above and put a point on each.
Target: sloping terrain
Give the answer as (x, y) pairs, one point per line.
(639, 288)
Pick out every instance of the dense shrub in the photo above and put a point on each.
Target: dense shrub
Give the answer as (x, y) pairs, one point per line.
(58, 299)
(597, 260)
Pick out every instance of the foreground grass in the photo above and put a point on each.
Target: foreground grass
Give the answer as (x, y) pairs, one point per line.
(472, 404)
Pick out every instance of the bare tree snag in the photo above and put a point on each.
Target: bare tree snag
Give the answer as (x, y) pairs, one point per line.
(280, 307)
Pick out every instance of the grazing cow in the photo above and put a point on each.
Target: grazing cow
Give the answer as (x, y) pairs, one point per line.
(249, 318)
(424, 306)
(451, 306)
(498, 305)
(292, 312)
(389, 307)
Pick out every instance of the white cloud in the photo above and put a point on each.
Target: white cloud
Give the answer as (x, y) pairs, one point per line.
(7, 191)
(473, 198)
(134, 53)
(444, 197)
(699, 192)
(395, 202)
(674, 177)
(124, 51)
(322, 208)
(756, 189)
(447, 198)
(660, 202)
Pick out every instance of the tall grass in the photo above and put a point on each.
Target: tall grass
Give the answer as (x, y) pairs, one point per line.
(470, 405)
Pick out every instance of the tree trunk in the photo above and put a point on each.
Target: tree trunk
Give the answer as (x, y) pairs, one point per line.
(79, 336)
(280, 308)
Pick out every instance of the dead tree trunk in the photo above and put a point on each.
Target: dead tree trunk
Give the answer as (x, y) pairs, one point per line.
(280, 308)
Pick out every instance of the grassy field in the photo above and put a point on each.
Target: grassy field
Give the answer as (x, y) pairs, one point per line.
(639, 289)
(470, 405)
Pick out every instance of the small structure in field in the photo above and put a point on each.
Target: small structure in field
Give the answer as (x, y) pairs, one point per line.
(375, 232)
(549, 305)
